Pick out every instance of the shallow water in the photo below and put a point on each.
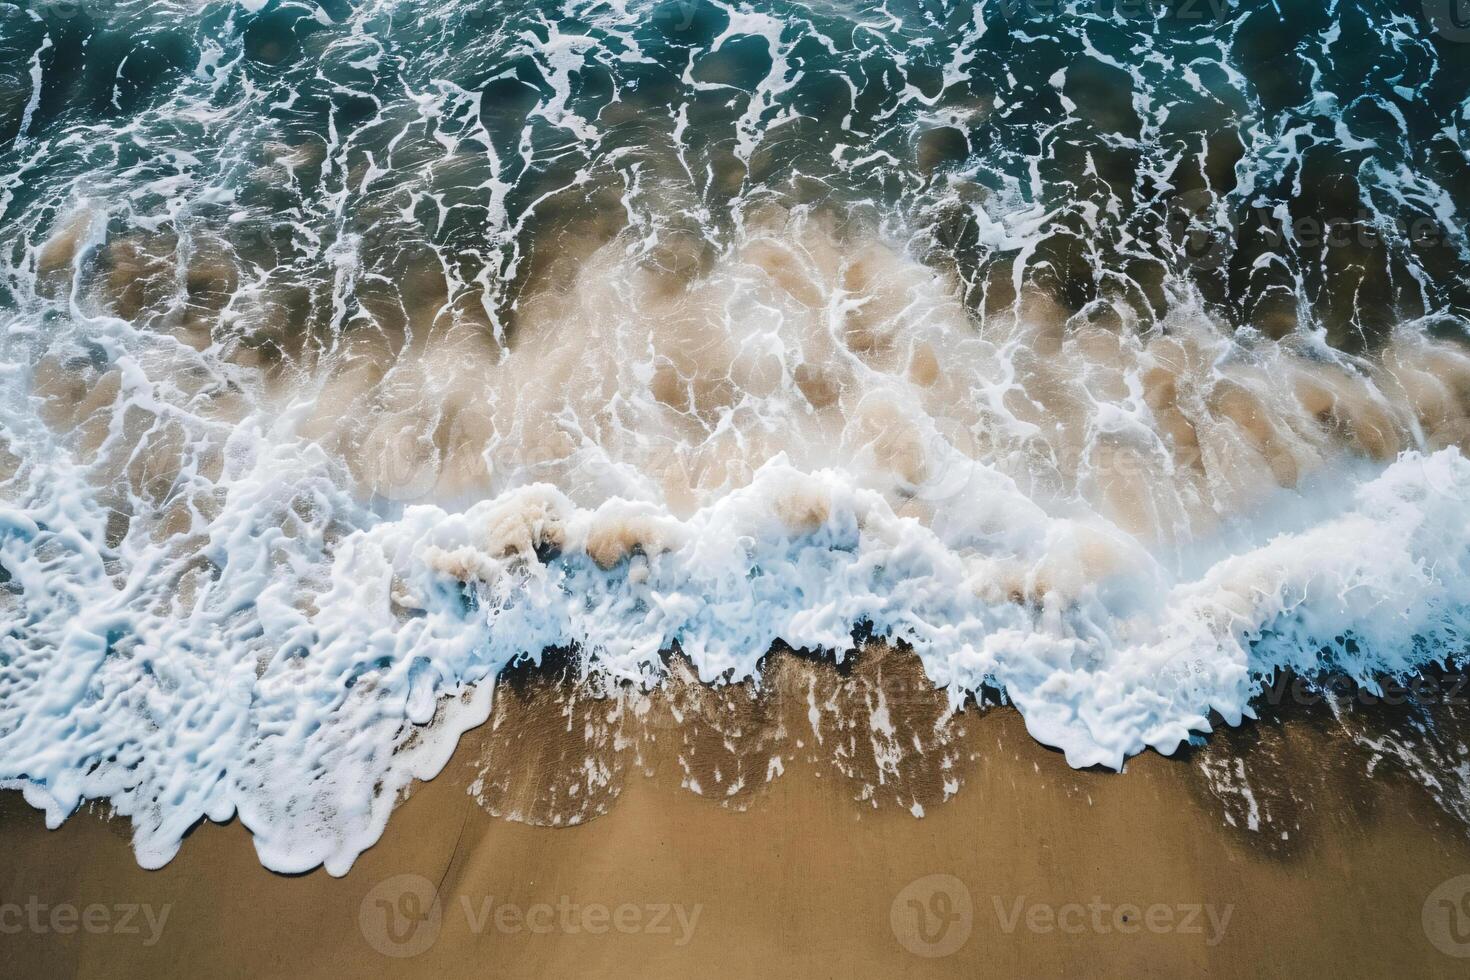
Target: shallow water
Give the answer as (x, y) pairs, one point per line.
(1107, 356)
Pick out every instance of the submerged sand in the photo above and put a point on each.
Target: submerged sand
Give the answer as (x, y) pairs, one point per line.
(1289, 846)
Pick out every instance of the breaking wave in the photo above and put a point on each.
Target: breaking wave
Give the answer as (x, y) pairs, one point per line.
(352, 354)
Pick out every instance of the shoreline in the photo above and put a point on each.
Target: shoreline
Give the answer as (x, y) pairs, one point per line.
(1029, 867)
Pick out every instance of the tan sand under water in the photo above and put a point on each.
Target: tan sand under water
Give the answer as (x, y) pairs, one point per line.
(1270, 851)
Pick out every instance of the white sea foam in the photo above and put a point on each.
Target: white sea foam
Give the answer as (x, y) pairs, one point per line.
(256, 639)
(288, 683)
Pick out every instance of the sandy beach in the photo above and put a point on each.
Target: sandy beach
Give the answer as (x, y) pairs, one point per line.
(1029, 868)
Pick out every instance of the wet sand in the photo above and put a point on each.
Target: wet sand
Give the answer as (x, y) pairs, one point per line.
(1029, 868)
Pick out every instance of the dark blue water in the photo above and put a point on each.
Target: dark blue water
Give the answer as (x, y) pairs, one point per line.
(1298, 163)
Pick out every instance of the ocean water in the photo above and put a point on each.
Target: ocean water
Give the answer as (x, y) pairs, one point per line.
(1111, 355)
